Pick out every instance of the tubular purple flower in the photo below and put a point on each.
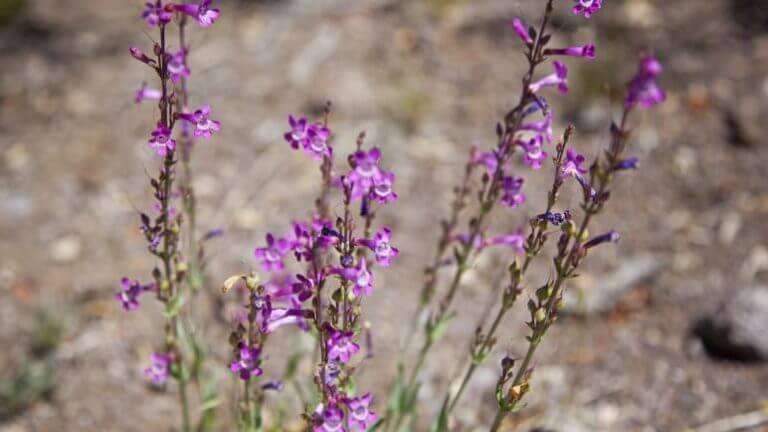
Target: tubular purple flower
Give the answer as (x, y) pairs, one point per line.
(487, 159)
(271, 256)
(158, 371)
(246, 362)
(146, 93)
(587, 7)
(202, 12)
(519, 27)
(543, 127)
(514, 240)
(586, 51)
(177, 65)
(201, 119)
(160, 141)
(360, 276)
(299, 132)
(360, 415)
(534, 155)
(155, 13)
(341, 347)
(328, 418)
(558, 78)
(573, 164)
(382, 188)
(381, 247)
(316, 144)
(130, 290)
(511, 187)
(366, 171)
(610, 236)
(643, 89)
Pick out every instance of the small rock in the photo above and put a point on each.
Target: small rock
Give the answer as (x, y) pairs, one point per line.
(66, 249)
(738, 329)
(604, 295)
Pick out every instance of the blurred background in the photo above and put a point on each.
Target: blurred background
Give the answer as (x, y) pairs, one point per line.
(667, 330)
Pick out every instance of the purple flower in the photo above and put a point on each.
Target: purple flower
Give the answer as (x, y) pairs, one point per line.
(360, 415)
(129, 293)
(160, 141)
(382, 188)
(202, 12)
(341, 347)
(643, 89)
(587, 7)
(139, 55)
(155, 14)
(271, 256)
(381, 247)
(366, 170)
(543, 127)
(610, 236)
(146, 93)
(299, 133)
(246, 362)
(558, 78)
(519, 27)
(512, 187)
(177, 65)
(555, 218)
(328, 418)
(477, 242)
(280, 316)
(488, 159)
(359, 276)
(534, 155)
(158, 371)
(586, 51)
(572, 165)
(316, 144)
(201, 118)
(514, 240)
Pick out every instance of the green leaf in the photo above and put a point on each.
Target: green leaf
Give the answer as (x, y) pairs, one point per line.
(376, 425)
(440, 327)
(293, 365)
(442, 419)
(195, 278)
(174, 305)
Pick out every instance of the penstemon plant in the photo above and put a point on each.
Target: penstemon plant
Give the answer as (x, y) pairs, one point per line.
(317, 277)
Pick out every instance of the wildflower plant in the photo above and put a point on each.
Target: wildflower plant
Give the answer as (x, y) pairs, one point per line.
(317, 275)
(176, 275)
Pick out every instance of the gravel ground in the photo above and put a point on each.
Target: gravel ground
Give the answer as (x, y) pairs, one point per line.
(426, 80)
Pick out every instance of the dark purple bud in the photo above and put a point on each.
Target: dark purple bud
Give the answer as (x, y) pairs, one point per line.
(216, 232)
(275, 385)
(346, 261)
(628, 163)
(139, 55)
(610, 236)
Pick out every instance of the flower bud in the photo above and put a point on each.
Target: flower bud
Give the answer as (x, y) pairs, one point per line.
(540, 315)
(139, 55)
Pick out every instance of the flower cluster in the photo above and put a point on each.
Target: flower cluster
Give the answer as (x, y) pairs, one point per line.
(162, 231)
(316, 274)
(332, 253)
